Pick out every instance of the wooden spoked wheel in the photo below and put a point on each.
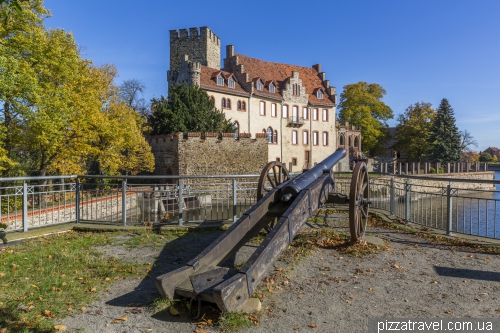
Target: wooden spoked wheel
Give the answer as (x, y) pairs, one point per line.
(273, 174)
(359, 201)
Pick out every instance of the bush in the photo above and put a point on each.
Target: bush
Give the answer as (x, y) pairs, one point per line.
(441, 170)
(432, 170)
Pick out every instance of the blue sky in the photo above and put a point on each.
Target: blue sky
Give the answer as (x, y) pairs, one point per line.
(422, 50)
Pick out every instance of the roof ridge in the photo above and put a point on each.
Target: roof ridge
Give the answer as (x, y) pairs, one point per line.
(272, 62)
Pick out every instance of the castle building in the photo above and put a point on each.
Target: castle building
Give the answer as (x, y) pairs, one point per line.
(294, 106)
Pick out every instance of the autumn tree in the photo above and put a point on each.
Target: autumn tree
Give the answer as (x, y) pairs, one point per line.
(361, 105)
(444, 140)
(53, 103)
(187, 109)
(469, 157)
(413, 131)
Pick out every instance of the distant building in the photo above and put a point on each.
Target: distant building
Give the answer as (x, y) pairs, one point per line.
(294, 106)
(493, 151)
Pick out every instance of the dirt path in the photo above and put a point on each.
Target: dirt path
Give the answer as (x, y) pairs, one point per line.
(413, 278)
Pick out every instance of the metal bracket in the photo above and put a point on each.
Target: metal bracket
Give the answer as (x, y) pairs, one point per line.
(290, 228)
(310, 202)
(195, 265)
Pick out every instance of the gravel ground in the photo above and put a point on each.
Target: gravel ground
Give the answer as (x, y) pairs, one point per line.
(325, 292)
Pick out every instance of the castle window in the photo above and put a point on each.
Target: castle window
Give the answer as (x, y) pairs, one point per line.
(236, 129)
(275, 139)
(285, 111)
(238, 107)
(273, 110)
(294, 160)
(231, 83)
(341, 139)
(228, 104)
(319, 94)
(305, 113)
(223, 103)
(315, 138)
(356, 142)
(315, 114)
(220, 80)
(269, 135)
(243, 106)
(305, 137)
(262, 108)
(325, 114)
(325, 138)
(259, 85)
(271, 88)
(294, 137)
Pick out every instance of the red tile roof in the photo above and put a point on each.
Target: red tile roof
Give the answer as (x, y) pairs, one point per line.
(208, 82)
(279, 73)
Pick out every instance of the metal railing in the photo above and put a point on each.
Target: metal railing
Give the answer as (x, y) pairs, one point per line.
(453, 205)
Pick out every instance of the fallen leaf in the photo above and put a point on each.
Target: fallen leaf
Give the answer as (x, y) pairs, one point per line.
(2, 274)
(3, 330)
(122, 318)
(60, 328)
(295, 328)
(434, 281)
(202, 331)
(173, 311)
(497, 310)
(372, 289)
(448, 312)
(47, 313)
(93, 289)
(312, 325)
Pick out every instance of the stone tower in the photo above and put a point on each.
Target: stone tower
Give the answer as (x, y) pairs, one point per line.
(190, 50)
(201, 45)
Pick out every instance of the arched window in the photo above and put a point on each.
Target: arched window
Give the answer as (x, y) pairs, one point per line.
(350, 141)
(356, 142)
(236, 129)
(243, 106)
(228, 103)
(269, 135)
(239, 105)
(341, 139)
(275, 139)
(223, 103)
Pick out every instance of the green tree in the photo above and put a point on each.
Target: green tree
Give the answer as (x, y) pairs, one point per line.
(413, 131)
(485, 157)
(361, 105)
(444, 140)
(187, 109)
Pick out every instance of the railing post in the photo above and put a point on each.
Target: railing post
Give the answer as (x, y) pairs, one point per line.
(77, 200)
(181, 203)
(448, 210)
(25, 206)
(392, 197)
(124, 202)
(234, 201)
(407, 200)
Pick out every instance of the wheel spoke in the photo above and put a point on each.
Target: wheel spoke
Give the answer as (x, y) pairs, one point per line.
(271, 181)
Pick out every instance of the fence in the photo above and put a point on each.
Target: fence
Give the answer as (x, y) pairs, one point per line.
(453, 205)
(31, 202)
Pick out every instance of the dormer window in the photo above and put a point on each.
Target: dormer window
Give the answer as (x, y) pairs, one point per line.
(319, 94)
(220, 80)
(259, 85)
(296, 89)
(271, 88)
(230, 83)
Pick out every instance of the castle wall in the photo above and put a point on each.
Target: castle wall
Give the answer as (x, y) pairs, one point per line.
(209, 156)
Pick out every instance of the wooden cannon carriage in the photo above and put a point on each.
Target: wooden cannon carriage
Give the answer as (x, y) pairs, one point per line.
(283, 206)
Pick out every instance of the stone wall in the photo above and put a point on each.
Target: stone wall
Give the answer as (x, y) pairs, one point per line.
(210, 155)
(430, 186)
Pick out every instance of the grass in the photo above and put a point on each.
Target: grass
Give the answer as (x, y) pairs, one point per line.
(153, 240)
(47, 279)
(234, 321)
